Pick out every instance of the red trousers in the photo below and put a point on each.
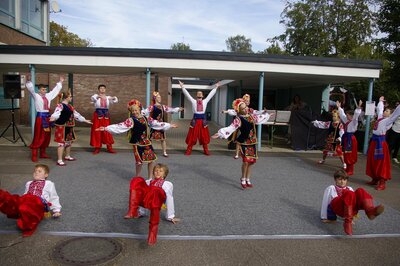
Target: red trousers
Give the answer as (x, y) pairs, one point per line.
(41, 138)
(351, 157)
(353, 199)
(97, 138)
(27, 209)
(377, 169)
(198, 132)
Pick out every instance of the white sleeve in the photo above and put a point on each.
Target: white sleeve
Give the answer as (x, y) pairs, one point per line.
(57, 111)
(121, 127)
(78, 116)
(321, 124)
(231, 112)
(393, 117)
(168, 188)
(258, 112)
(379, 109)
(146, 111)
(55, 91)
(54, 199)
(342, 115)
(172, 110)
(225, 132)
(356, 115)
(27, 187)
(94, 98)
(154, 124)
(210, 95)
(328, 196)
(29, 86)
(113, 99)
(261, 118)
(188, 96)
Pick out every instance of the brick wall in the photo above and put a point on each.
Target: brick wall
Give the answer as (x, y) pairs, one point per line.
(11, 36)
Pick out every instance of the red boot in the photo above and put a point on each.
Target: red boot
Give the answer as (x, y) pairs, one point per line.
(348, 220)
(206, 151)
(43, 154)
(153, 227)
(381, 184)
(189, 150)
(133, 205)
(370, 210)
(373, 182)
(34, 155)
(96, 151)
(110, 149)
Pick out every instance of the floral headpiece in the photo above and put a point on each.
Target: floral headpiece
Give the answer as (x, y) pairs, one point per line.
(134, 102)
(155, 94)
(236, 103)
(246, 97)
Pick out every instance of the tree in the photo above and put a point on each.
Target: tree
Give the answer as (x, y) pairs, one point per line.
(389, 23)
(180, 46)
(60, 36)
(239, 44)
(326, 27)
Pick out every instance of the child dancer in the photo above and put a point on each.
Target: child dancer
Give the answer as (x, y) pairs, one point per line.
(349, 141)
(157, 111)
(40, 196)
(101, 118)
(245, 123)
(232, 112)
(138, 127)
(64, 116)
(42, 131)
(198, 126)
(378, 158)
(151, 194)
(336, 131)
(342, 200)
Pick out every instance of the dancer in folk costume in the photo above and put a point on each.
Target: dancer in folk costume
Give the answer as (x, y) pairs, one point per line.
(158, 111)
(244, 122)
(198, 126)
(341, 200)
(64, 117)
(151, 194)
(138, 128)
(42, 131)
(232, 112)
(39, 199)
(378, 159)
(393, 138)
(101, 118)
(333, 145)
(349, 141)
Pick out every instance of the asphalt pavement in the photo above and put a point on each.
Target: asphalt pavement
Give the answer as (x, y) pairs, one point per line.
(274, 223)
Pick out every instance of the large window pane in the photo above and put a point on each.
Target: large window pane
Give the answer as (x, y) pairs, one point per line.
(36, 13)
(7, 12)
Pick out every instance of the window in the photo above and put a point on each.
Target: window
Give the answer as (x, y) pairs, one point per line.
(32, 18)
(7, 12)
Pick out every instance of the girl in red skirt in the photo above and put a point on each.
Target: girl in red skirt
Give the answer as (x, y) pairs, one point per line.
(378, 160)
(245, 123)
(64, 116)
(341, 200)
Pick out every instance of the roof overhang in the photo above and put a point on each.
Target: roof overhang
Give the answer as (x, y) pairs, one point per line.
(280, 71)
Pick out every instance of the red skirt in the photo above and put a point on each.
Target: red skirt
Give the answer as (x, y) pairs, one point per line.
(350, 157)
(27, 209)
(377, 169)
(198, 132)
(41, 138)
(97, 138)
(64, 134)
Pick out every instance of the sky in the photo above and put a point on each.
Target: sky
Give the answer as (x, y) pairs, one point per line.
(157, 24)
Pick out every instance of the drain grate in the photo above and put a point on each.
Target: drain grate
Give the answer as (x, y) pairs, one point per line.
(86, 250)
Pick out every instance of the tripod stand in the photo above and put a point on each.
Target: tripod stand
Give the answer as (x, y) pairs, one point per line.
(14, 127)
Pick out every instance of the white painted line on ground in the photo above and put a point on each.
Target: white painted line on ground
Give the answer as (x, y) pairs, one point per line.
(209, 237)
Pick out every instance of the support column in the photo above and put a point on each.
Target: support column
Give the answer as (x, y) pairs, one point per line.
(260, 107)
(32, 108)
(366, 136)
(148, 85)
(71, 85)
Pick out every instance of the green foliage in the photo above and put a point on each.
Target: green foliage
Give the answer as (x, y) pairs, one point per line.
(239, 44)
(60, 36)
(180, 46)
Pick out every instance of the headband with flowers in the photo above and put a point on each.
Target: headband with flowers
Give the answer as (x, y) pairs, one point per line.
(246, 97)
(134, 102)
(236, 103)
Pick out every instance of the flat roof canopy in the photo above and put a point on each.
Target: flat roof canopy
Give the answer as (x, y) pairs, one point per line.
(280, 71)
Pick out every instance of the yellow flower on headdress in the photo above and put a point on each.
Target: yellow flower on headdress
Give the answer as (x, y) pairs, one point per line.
(236, 103)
